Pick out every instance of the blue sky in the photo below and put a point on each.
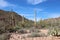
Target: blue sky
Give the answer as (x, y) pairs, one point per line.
(44, 8)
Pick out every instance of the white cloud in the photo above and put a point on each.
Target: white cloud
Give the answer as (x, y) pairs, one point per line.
(4, 3)
(34, 2)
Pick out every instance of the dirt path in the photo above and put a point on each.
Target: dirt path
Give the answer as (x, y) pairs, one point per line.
(15, 36)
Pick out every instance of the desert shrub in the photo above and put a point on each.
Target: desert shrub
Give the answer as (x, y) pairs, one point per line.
(4, 36)
(36, 35)
(22, 31)
(2, 31)
(53, 32)
(34, 30)
(11, 30)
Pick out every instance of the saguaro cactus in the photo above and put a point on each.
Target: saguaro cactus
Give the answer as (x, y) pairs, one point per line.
(35, 18)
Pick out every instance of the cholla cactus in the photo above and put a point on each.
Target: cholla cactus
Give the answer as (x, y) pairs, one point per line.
(53, 32)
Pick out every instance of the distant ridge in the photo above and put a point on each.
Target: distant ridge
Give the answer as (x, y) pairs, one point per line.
(6, 19)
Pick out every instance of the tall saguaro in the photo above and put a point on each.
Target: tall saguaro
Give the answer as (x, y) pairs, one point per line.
(35, 18)
(23, 20)
(12, 17)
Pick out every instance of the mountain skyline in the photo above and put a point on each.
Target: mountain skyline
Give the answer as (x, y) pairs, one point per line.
(44, 8)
